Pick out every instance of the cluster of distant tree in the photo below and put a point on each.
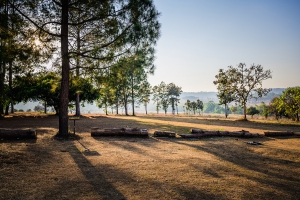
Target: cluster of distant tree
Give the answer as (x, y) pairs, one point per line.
(241, 84)
(287, 105)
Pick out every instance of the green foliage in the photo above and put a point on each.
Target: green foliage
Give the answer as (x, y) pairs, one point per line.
(144, 94)
(166, 94)
(19, 50)
(241, 84)
(83, 86)
(225, 91)
(46, 87)
(209, 107)
(126, 82)
(252, 111)
(108, 31)
(173, 93)
(290, 102)
(263, 109)
(275, 108)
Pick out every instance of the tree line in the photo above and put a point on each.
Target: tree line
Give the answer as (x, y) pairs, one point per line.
(83, 39)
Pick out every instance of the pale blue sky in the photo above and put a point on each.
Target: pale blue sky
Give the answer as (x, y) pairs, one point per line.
(198, 37)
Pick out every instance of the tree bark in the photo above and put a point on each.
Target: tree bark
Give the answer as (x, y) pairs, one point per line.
(117, 104)
(118, 132)
(17, 133)
(77, 104)
(45, 107)
(198, 133)
(10, 72)
(146, 108)
(245, 112)
(12, 109)
(132, 95)
(164, 134)
(6, 109)
(64, 101)
(278, 133)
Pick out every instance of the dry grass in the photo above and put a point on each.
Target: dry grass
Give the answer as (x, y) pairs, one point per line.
(148, 168)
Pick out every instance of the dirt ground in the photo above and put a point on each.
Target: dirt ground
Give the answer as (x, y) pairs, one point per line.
(118, 168)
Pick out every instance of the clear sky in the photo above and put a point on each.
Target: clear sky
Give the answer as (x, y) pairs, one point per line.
(198, 37)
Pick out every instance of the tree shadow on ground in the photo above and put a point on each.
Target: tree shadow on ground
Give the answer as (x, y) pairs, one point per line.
(95, 178)
(106, 179)
(230, 123)
(269, 170)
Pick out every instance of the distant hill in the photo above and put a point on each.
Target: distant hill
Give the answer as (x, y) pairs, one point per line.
(277, 90)
(212, 96)
(192, 96)
(203, 96)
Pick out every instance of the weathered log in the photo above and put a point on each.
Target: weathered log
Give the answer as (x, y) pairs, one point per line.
(119, 132)
(279, 133)
(193, 130)
(164, 134)
(205, 133)
(17, 133)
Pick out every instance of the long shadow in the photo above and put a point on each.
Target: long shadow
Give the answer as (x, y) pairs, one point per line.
(102, 186)
(255, 162)
(230, 123)
(128, 143)
(157, 186)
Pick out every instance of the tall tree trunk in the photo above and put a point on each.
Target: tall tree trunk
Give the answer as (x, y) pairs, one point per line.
(2, 61)
(6, 109)
(1, 88)
(126, 106)
(173, 106)
(12, 109)
(117, 104)
(145, 104)
(64, 100)
(77, 104)
(245, 112)
(9, 87)
(132, 95)
(2, 92)
(45, 107)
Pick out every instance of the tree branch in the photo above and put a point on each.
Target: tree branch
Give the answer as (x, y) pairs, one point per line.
(30, 20)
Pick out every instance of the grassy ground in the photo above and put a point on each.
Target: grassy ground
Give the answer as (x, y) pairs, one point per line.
(149, 168)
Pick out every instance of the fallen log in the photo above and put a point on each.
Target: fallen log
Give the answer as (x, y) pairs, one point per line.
(197, 133)
(119, 132)
(164, 134)
(17, 133)
(278, 133)
(193, 131)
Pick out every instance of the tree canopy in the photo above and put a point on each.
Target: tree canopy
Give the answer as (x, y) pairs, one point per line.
(108, 30)
(241, 84)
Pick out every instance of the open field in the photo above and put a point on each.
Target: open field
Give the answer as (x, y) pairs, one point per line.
(149, 168)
